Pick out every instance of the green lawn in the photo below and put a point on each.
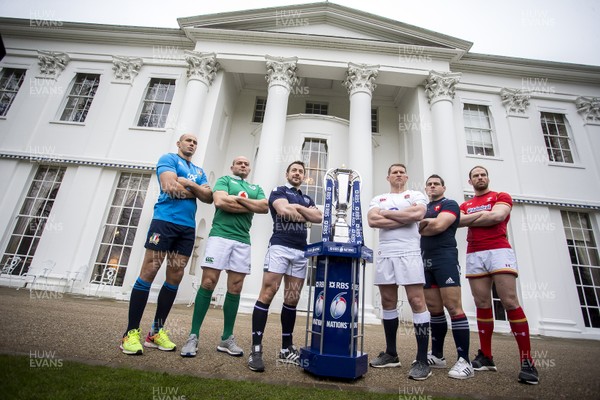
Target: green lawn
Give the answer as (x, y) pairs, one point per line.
(25, 378)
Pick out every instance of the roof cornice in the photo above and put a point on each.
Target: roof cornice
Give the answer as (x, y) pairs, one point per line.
(330, 13)
(95, 33)
(519, 67)
(314, 41)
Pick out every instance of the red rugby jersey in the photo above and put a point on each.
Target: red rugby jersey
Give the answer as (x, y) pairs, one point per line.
(487, 237)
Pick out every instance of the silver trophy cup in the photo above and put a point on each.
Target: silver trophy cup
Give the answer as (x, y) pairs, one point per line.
(343, 179)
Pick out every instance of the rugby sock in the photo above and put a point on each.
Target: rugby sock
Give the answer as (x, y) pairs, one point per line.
(230, 309)
(288, 320)
(201, 305)
(520, 329)
(390, 328)
(485, 326)
(460, 332)
(422, 324)
(137, 303)
(439, 328)
(166, 298)
(259, 322)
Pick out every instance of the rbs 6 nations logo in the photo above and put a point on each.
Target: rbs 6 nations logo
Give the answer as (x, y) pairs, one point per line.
(338, 305)
(319, 305)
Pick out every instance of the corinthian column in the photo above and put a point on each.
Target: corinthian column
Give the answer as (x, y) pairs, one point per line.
(202, 68)
(281, 76)
(360, 82)
(439, 89)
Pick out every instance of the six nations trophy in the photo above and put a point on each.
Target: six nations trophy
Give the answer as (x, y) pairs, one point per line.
(335, 348)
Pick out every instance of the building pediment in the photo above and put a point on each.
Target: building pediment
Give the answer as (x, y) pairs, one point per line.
(322, 20)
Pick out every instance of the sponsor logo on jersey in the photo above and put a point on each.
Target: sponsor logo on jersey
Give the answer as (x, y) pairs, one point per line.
(438, 207)
(485, 207)
(243, 194)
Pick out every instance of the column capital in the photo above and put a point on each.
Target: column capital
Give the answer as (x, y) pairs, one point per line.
(281, 71)
(126, 68)
(589, 108)
(201, 66)
(516, 101)
(441, 85)
(361, 78)
(52, 63)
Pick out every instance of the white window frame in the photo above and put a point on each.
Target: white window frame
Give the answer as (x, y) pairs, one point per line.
(315, 190)
(256, 111)
(587, 289)
(114, 225)
(568, 137)
(316, 103)
(492, 130)
(33, 217)
(88, 100)
(6, 91)
(143, 103)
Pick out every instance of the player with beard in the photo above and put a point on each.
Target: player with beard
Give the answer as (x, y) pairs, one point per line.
(491, 260)
(291, 210)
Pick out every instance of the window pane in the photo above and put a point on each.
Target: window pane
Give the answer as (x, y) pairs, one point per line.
(157, 103)
(556, 138)
(121, 223)
(33, 216)
(478, 131)
(584, 259)
(10, 82)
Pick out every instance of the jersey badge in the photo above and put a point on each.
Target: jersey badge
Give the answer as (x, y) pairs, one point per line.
(154, 238)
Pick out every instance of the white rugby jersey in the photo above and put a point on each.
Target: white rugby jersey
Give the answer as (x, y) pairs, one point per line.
(406, 239)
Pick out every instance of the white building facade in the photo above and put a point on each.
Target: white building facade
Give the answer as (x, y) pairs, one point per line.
(86, 110)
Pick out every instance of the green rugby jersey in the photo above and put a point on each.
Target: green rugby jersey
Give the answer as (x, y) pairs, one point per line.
(231, 225)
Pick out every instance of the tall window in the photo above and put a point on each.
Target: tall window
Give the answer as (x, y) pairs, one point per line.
(478, 130)
(157, 103)
(80, 97)
(32, 218)
(585, 263)
(316, 108)
(374, 120)
(259, 109)
(556, 138)
(314, 155)
(10, 82)
(121, 225)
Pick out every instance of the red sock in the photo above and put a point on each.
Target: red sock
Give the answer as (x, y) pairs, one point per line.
(485, 325)
(520, 329)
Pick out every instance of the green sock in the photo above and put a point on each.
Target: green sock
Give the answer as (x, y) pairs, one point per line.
(230, 309)
(201, 305)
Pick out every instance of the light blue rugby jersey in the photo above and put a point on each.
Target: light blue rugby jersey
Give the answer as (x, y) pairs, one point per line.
(178, 211)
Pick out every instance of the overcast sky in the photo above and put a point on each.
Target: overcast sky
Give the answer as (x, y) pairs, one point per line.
(554, 30)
